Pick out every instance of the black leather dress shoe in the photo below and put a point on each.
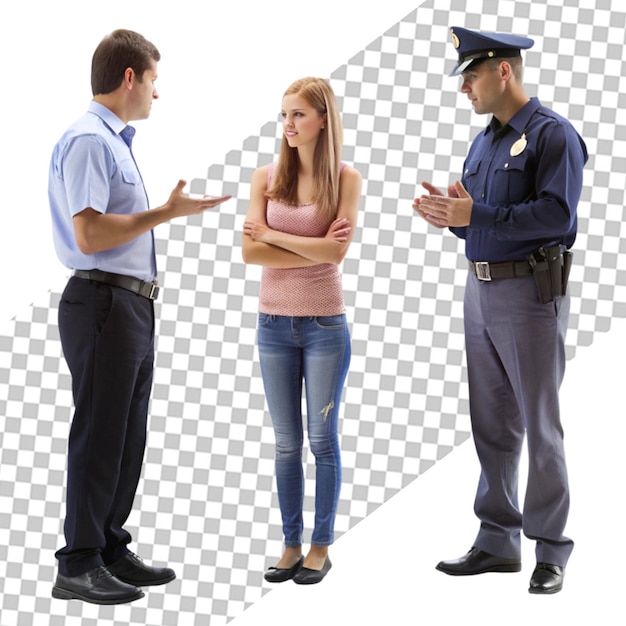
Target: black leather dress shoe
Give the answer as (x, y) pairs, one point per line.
(478, 562)
(132, 570)
(546, 578)
(306, 576)
(281, 574)
(97, 586)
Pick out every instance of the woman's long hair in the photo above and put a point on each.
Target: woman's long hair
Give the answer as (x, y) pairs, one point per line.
(326, 159)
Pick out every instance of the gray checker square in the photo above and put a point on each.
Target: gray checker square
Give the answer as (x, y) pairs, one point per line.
(206, 503)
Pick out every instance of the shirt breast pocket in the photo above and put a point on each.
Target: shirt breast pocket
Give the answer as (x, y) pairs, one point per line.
(512, 181)
(130, 176)
(127, 194)
(470, 179)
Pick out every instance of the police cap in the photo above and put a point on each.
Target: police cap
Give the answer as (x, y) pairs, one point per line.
(474, 47)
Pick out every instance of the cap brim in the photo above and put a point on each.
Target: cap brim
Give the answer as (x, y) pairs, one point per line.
(477, 58)
(461, 67)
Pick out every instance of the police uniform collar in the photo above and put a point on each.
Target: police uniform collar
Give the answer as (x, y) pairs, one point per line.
(474, 47)
(519, 122)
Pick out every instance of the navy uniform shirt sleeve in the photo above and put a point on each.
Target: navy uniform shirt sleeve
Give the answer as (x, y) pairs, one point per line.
(525, 201)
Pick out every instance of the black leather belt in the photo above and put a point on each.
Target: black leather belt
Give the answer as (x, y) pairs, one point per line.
(141, 287)
(490, 271)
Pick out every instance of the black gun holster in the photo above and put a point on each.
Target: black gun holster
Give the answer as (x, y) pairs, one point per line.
(551, 267)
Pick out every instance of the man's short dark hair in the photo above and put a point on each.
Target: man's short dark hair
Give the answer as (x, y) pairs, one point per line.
(117, 52)
(514, 62)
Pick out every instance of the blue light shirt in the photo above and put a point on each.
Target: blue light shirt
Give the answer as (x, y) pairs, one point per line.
(93, 167)
(526, 201)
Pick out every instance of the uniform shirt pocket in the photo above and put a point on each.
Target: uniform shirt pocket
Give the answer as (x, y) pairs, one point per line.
(470, 178)
(513, 181)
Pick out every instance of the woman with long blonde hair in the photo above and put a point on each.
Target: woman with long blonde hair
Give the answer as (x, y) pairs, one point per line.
(301, 219)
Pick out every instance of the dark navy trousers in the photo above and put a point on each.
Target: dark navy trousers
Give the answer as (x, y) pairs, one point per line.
(516, 360)
(107, 334)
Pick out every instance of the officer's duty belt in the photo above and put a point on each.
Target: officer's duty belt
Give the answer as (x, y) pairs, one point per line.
(490, 271)
(130, 283)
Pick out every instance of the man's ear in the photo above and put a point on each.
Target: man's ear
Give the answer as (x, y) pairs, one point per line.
(505, 69)
(129, 77)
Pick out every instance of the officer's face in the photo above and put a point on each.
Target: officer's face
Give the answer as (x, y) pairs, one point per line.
(483, 86)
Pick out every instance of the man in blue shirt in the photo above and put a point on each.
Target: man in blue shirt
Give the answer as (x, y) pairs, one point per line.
(515, 207)
(102, 230)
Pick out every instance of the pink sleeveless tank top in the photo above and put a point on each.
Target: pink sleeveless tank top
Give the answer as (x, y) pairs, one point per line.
(300, 291)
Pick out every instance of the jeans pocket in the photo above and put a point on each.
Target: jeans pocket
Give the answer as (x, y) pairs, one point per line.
(330, 322)
(264, 319)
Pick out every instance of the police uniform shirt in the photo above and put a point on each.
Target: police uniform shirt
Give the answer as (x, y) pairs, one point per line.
(525, 179)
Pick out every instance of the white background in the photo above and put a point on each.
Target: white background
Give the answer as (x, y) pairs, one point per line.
(224, 67)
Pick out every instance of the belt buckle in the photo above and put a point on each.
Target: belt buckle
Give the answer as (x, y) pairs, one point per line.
(482, 270)
(154, 291)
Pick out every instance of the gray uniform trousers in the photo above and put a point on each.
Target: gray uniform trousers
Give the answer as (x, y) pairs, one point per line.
(516, 361)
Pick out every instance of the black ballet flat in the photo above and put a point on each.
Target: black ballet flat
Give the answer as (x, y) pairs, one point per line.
(281, 574)
(306, 576)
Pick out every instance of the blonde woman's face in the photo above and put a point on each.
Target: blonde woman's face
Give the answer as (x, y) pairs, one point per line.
(301, 122)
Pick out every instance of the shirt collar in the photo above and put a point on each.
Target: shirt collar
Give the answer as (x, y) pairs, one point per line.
(519, 121)
(108, 117)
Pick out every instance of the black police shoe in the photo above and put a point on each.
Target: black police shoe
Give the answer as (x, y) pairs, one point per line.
(478, 562)
(546, 578)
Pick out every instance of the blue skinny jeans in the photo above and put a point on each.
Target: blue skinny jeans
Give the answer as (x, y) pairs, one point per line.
(316, 351)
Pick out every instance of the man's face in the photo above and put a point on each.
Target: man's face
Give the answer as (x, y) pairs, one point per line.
(144, 92)
(484, 87)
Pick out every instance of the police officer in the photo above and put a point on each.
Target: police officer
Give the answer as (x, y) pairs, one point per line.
(515, 207)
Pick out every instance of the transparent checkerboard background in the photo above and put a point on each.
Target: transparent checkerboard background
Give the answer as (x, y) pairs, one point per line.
(207, 504)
